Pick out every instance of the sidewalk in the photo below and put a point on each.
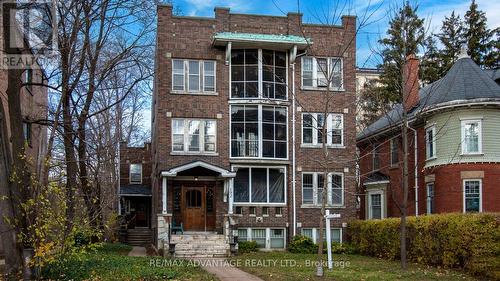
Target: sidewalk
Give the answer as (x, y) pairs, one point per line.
(138, 252)
(225, 273)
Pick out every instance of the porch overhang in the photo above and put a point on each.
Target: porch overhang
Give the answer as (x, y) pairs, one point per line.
(258, 40)
(198, 164)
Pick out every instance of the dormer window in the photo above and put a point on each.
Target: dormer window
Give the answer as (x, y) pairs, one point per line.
(135, 173)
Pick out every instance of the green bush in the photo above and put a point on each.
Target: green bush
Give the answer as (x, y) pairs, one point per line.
(468, 241)
(302, 245)
(247, 247)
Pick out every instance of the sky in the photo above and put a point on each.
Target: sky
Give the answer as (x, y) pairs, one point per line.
(374, 13)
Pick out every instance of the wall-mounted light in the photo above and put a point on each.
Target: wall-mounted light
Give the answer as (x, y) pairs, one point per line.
(196, 178)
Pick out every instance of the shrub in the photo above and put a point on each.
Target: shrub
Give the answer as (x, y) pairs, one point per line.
(468, 241)
(247, 247)
(302, 245)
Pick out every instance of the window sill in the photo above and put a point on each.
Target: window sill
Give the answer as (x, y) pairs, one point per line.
(393, 167)
(322, 89)
(259, 101)
(259, 204)
(314, 206)
(431, 158)
(471, 154)
(278, 216)
(177, 153)
(174, 92)
(265, 216)
(320, 146)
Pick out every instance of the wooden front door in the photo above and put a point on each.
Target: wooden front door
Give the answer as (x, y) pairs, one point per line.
(198, 207)
(194, 208)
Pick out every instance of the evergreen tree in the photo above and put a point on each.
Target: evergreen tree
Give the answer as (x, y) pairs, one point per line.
(477, 35)
(431, 66)
(452, 39)
(406, 35)
(492, 59)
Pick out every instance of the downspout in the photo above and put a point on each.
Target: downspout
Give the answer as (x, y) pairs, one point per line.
(292, 60)
(119, 181)
(416, 169)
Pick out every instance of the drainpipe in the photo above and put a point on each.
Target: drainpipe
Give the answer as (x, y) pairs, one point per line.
(416, 169)
(293, 153)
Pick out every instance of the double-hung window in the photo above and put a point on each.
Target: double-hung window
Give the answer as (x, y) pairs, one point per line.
(316, 72)
(266, 238)
(430, 142)
(472, 198)
(312, 129)
(394, 152)
(471, 136)
(194, 135)
(135, 173)
(430, 198)
(313, 186)
(259, 185)
(313, 233)
(193, 76)
(258, 131)
(376, 157)
(375, 204)
(258, 73)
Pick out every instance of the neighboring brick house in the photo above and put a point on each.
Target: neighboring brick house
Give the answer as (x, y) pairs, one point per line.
(457, 125)
(222, 126)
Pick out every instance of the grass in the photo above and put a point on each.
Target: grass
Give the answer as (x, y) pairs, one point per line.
(110, 262)
(299, 267)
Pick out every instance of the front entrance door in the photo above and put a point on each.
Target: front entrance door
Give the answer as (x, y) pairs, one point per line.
(198, 208)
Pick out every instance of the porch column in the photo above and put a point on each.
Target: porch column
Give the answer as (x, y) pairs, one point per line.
(164, 195)
(230, 195)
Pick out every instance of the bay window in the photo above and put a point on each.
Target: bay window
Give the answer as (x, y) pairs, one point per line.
(316, 72)
(430, 198)
(194, 135)
(259, 185)
(258, 73)
(258, 131)
(471, 136)
(312, 189)
(312, 129)
(193, 76)
(375, 204)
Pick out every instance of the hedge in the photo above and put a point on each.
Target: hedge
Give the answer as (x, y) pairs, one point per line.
(466, 241)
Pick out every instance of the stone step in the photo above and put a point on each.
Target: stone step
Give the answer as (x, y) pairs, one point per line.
(200, 248)
(198, 255)
(188, 239)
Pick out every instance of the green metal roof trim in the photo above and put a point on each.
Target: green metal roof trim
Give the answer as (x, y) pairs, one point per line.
(258, 37)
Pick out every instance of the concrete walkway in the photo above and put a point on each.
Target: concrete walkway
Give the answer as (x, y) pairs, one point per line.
(138, 252)
(228, 273)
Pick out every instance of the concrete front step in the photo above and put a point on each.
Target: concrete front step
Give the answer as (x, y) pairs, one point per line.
(200, 245)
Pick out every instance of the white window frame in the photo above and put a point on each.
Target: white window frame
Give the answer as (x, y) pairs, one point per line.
(315, 233)
(201, 66)
(186, 136)
(429, 198)
(268, 236)
(260, 79)
(260, 132)
(268, 203)
(329, 130)
(329, 192)
(315, 73)
(464, 122)
(376, 155)
(480, 194)
(382, 203)
(428, 155)
(130, 173)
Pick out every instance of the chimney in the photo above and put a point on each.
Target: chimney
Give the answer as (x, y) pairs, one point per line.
(411, 83)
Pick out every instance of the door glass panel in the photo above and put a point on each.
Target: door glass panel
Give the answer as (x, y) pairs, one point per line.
(210, 200)
(193, 199)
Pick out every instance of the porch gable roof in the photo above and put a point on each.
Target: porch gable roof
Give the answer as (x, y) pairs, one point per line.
(223, 172)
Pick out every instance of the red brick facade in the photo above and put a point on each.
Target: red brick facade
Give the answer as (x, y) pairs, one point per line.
(192, 38)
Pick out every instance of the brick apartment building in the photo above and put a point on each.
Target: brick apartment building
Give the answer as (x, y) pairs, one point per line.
(33, 108)
(235, 139)
(457, 125)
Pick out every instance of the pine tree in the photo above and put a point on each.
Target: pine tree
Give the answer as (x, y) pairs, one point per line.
(406, 35)
(431, 66)
(452, 39)
(492, 59)
(477, 35)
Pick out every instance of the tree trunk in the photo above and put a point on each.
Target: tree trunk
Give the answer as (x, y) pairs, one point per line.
(404, 205)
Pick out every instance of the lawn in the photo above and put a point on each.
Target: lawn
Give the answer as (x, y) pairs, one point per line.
(110, 262)
(288, 266)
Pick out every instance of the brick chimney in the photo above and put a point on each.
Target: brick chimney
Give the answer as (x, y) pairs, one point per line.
(411, 83)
